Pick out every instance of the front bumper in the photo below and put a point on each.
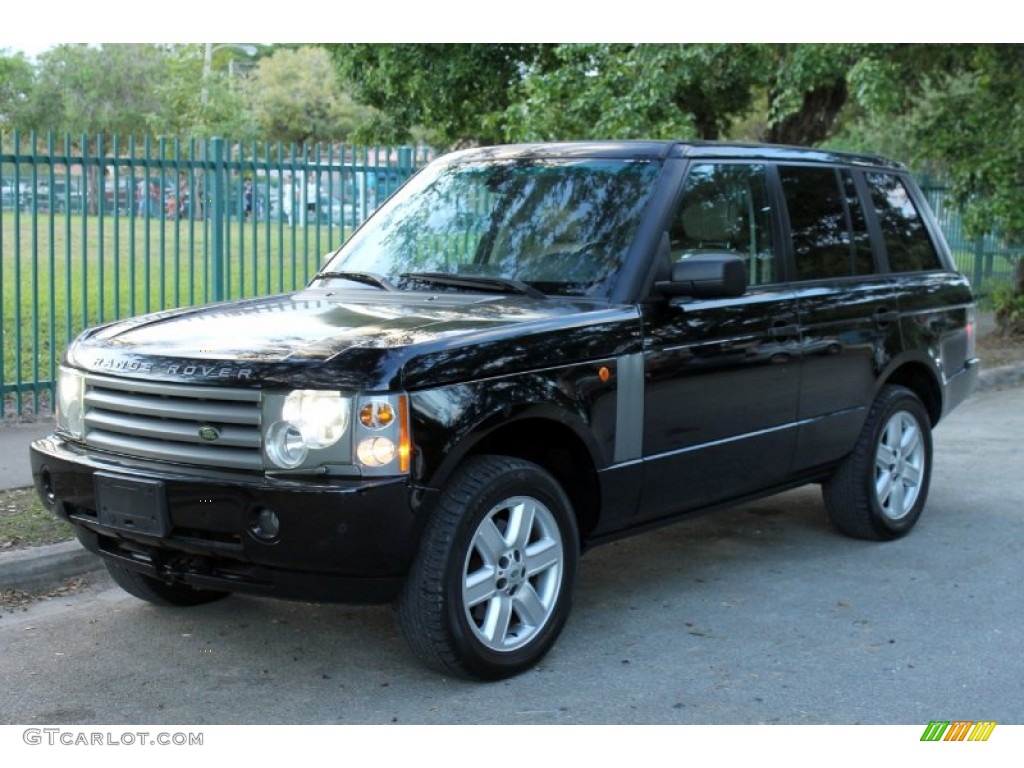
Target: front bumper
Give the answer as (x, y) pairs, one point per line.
(340, 540)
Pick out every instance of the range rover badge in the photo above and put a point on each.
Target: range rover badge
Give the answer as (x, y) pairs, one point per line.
(209, 433)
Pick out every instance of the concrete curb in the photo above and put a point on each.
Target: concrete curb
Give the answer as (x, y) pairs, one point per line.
(1002, 377)
(43, 567)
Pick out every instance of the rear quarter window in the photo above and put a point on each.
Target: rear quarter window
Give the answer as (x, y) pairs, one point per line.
(907, 241)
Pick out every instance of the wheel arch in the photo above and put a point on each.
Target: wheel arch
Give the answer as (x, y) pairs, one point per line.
(541, 434)
(560, 451)
(921, 379)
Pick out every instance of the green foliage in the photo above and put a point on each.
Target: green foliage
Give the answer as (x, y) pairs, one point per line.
(181, 96)
(635, 91)
(972, 121)
(15, 86)
(296, 95)
(1008, 305)
(458, 92)
(82, 89)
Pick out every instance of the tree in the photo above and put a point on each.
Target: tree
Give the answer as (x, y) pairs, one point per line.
(482, 94)
(225, 109)
(636, 91)
(296, 95)
(15, 87)
(971, 121)
(84, 90)
(459, 93)
(109, 89)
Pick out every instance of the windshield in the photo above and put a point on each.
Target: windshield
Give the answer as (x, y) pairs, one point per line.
(558, 226)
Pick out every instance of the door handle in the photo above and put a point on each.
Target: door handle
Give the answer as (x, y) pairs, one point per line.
(884, 316)
(783, 329)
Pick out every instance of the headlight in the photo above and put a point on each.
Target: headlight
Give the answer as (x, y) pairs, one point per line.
(366, 435)
(321, 417)
(285, 446)
(70, 403)
(306, 426)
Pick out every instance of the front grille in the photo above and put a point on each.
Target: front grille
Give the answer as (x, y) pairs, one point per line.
(154, 420)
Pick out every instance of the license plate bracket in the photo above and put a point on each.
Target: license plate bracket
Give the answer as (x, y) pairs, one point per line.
(131, 505)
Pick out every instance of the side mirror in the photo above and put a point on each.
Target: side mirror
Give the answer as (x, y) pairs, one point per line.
(707, 276)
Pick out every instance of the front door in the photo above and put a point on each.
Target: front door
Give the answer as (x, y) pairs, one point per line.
(722, 375)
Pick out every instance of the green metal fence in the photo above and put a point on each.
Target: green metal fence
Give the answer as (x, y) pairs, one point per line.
(93, 229)
(984, 259)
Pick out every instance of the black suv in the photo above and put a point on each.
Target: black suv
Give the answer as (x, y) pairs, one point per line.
(525, 352)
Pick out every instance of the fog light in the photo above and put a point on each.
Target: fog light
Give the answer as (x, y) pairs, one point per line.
(46, 483)
(264, 524)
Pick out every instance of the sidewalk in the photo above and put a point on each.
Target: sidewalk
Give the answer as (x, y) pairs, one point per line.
(37, 568)
(15, 471)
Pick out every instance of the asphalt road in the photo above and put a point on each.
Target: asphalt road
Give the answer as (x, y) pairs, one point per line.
(760, 614)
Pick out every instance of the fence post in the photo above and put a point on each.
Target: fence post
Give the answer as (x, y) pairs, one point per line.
(217, 218)
(979, 258)
(405, 161)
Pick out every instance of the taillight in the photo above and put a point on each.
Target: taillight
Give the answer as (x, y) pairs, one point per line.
(972, 330)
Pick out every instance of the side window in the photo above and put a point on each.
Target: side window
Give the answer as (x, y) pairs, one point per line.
(907, 242)
(863, 254)
(827, 224)
(725, 209)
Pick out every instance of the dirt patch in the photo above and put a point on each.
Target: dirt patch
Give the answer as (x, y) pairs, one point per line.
(12, 600)
(996, 351)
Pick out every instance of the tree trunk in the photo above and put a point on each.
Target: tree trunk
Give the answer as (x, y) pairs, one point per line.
(814, 121)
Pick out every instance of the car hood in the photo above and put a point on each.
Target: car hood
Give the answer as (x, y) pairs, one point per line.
(354, 338)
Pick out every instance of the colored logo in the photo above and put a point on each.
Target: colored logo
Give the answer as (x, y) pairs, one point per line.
(958, 730)
(209, 433)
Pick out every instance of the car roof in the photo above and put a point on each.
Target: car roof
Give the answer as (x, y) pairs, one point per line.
(662, 149)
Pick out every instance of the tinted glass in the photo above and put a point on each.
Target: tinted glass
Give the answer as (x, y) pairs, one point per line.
(562, 226)
(725, 209)
(826, 223)
(907, 242)
(863, 255)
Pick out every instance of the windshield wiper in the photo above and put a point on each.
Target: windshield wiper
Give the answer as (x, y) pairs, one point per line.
(498, 284)
(366, 278)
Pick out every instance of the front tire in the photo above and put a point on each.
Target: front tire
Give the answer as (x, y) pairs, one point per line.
(159, 592)
(881, 488)
(491, 587)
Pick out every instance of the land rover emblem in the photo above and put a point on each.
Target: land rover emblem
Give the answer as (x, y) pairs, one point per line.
(209, 433)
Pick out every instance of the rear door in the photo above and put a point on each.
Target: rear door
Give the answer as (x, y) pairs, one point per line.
(847, 307)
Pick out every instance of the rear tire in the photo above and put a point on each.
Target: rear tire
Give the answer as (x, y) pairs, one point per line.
(491, 586)
(160, 592)
(881, 488)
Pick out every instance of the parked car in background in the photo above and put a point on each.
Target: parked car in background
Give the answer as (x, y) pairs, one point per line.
(316, 208)
(10, 194)
(60, 197)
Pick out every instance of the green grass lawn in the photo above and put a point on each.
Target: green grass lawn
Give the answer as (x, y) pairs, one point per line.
(61, 274)
(994, 267)
(25, 522)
